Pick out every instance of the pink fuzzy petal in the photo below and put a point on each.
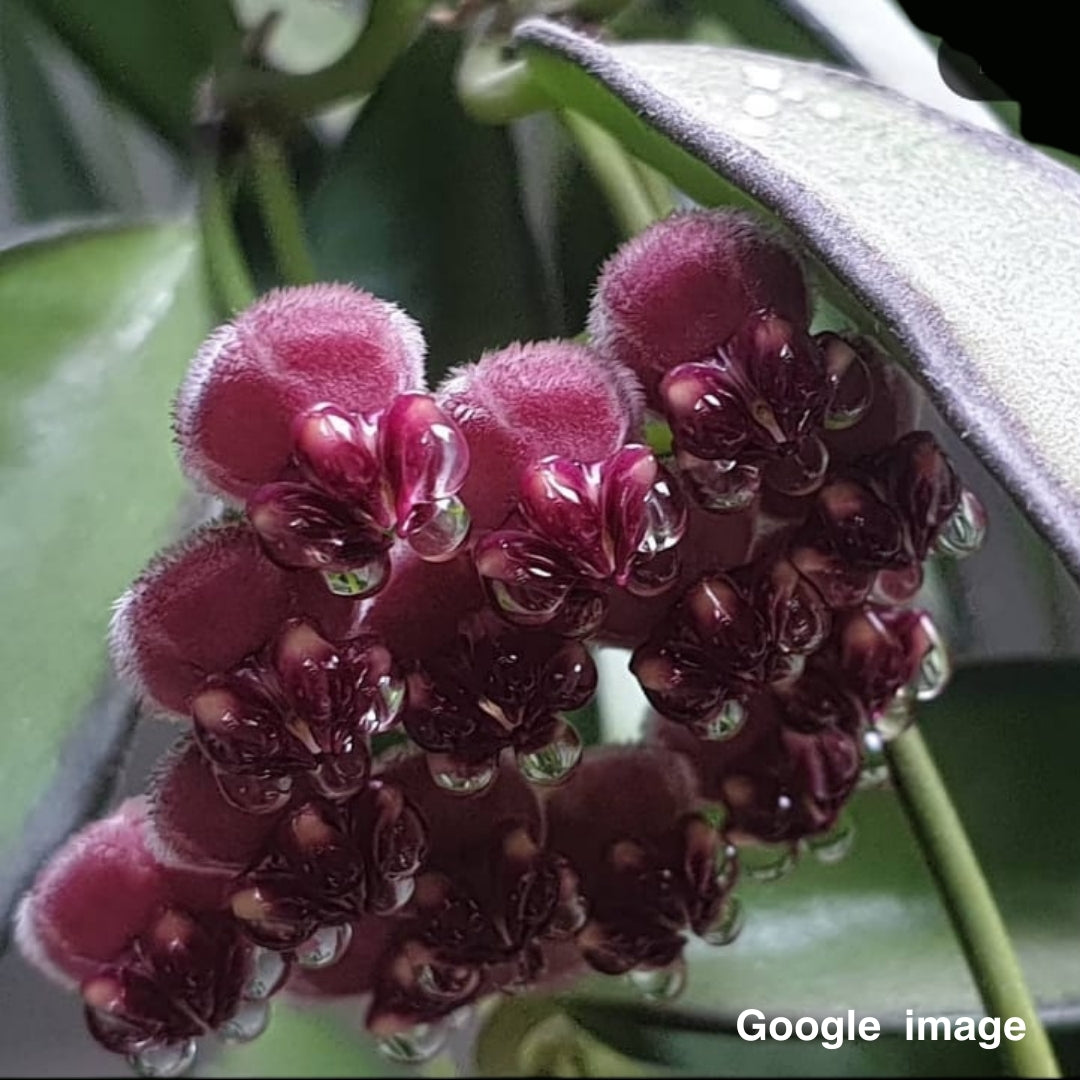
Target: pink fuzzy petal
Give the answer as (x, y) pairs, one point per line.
(530, 401)
(204, 605)
(102, 889)
(289, 351)
(192, 825)
(676, 292)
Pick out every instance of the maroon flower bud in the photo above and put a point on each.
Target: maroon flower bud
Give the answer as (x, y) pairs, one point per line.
(491, 909)
(206, 604)
(498, 688)
(527, 402)
(158, 962)
(298, 876)
(707, 657)
(888, 658)
(785, 774)
(678, 291)
(326, 865)
(289, 351)
(304, 705)
(592, 526)
(752, 415)
(367, 479)
(650, 866)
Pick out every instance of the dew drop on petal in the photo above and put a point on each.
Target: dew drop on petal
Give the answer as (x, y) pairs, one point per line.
(935, 668)
(163, 1059)
(852, 397)
(324, 948)
(660, 984)
(360, 581)
(461, 777)
(415, 1046)
(965, 530)
(727, 925)
(896, 717)
(268, 971)
(248, 1022)
(834, 845)
(875, 769)
(553, 763)
(440, 529)
(725, 723)
(767, 862)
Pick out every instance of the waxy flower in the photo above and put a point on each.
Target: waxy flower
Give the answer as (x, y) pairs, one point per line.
(496, 688)
(650, 866)
(157, 959)
(295, 878)
(588, 527)
(361, 482)
(291, 350)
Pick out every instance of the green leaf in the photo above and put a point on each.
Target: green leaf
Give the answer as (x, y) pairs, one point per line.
(870, 933)
(305, 1042)
(420, 206)
(44, 164)
(96, 329)
(964, 244)
(151, 56)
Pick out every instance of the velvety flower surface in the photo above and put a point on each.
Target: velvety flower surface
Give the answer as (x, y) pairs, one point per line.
(291, 350)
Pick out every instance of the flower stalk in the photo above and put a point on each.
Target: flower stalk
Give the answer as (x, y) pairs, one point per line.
(966, 893)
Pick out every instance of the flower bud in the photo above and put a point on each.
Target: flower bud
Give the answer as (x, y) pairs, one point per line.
(204, 605)
(292, 349)
(528, 402)
(679, 290)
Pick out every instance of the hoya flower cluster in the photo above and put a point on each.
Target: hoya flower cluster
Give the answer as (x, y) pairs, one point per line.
(432, 571)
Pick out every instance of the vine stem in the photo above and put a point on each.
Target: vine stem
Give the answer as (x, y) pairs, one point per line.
(280, 208)
(390, 28)
(974, 914)
(227, 269)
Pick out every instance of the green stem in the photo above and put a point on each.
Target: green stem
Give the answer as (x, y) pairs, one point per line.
(494, 91)
(280, 208)
(634, 202)
(975, 917)
(229, 277)
(390, 29)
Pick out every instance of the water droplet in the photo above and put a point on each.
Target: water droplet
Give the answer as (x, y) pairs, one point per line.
(852, 397)
(767, 862)
(935, 668)
(325, 947)
(660, 984)
(247, 1023)
(896, 717)
(727, 869)
(722, 486)
(461, 777)
(875, 768)
(417, 1045)
(727, 925)
(665, 519)
(726, 722)
(268, 971)
(163, 1059)
(965, 530)
(832, 846)
(439, 535)
(361, 581)
(828, 110)
(763, 76)
(553, 763)
(761, 105)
